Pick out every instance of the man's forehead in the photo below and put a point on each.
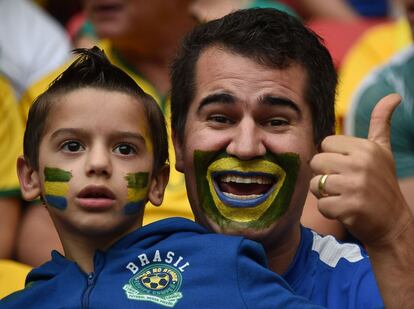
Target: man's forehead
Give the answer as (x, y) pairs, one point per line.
(220, 70)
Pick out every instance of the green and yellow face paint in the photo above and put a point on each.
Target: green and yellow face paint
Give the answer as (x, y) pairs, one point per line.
(138, 184)
(253, 194)
(56, 187)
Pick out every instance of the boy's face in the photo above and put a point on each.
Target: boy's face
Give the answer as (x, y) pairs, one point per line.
(247, 144)
(95, 163)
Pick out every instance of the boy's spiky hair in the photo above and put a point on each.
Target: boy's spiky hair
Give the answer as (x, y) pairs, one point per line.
(92, 69)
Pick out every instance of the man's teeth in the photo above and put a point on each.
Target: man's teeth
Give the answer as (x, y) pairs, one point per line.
(242, 197)
(263, 180)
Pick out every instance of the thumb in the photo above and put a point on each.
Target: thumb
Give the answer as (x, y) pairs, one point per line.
(380, 124)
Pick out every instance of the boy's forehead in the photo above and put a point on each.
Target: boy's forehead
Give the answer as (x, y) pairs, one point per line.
(102, 107)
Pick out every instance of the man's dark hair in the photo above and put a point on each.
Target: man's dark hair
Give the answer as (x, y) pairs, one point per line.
(92, 69)
(271, 38)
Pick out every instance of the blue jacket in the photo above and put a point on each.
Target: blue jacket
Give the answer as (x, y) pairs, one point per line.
(170, 263)
(332, 274)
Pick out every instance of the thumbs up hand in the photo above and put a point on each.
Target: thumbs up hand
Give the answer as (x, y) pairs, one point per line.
(361, 189)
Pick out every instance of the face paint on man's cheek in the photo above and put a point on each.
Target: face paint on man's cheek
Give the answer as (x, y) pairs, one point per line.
(253, 194)
(137, 192)
(56, 187)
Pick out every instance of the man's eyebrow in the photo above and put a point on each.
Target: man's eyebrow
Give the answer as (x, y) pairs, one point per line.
(279, 101)
(225, 98)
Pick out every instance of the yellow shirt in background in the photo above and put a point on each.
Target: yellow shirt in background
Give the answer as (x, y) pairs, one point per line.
(11, 137)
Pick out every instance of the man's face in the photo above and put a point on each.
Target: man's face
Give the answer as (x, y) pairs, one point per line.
(247, 144)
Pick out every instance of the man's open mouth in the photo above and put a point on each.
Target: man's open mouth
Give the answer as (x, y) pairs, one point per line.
(243, 190)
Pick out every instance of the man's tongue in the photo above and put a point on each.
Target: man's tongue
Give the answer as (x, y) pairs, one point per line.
(243, 188)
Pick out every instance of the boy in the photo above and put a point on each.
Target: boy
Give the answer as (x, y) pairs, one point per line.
(95, 151)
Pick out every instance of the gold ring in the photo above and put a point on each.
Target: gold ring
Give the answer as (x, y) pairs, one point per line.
(321, 186)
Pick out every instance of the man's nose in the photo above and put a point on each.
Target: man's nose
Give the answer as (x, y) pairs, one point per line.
(247, 141)
(99, 161)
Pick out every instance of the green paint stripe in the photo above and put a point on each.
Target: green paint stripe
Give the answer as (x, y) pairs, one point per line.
(56, 174)
(137, 180)
(10, 193)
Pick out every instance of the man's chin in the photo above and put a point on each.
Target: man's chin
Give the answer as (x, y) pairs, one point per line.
(238, 229)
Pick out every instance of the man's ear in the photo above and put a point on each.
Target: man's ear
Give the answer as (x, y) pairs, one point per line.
(29, 180)
(179, 152)
(157, 186)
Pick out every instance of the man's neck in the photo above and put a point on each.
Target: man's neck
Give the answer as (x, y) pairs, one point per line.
(281, 257)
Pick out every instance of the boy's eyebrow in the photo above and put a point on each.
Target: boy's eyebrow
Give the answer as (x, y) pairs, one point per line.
(115, 134)
(66, 131)
(280, 101)
(225, 98)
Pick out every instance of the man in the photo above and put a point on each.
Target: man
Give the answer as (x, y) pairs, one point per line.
(252, 105)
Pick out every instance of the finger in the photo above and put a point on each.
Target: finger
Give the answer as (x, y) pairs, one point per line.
(330, 207)
(329, 163)
(332, 185)
(341, 144)
(379, 127)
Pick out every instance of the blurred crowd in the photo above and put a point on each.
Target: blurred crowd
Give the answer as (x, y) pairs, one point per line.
(141, 37)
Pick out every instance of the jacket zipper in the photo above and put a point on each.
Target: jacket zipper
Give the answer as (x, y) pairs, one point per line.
(87, 292)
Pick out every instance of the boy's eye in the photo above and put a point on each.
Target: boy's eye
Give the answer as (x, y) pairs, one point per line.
(125, 149)
(72, 146)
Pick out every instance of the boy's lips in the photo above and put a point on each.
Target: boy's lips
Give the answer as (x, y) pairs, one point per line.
(96, 197)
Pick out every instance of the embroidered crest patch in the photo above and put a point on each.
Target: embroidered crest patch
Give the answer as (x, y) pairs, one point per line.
(159, 283)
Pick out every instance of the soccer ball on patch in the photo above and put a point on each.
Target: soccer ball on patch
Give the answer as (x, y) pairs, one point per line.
(157, 281)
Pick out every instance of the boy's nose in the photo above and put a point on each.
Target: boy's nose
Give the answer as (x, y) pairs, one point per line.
(247, 141)
(99, 162)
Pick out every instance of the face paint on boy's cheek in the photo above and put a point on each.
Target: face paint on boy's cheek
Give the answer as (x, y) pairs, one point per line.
(246, 194)
(137, 192)
(56, 187)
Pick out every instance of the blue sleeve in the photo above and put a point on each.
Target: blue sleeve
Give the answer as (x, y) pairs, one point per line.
(273, 291)
(364, 291)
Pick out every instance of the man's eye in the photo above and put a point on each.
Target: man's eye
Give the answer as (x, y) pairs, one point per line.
(219, 119)
(125, 149)
(72, 146)
(277, 122)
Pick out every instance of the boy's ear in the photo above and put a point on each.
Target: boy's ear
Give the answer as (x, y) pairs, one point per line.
(179, 152)
(157, 187)
(29, 180)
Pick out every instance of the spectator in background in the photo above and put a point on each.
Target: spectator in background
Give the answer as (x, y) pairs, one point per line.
(375, 47)
(395, 76)
(32, 43)
(11, 137)
(140, 37)
(381, 53)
